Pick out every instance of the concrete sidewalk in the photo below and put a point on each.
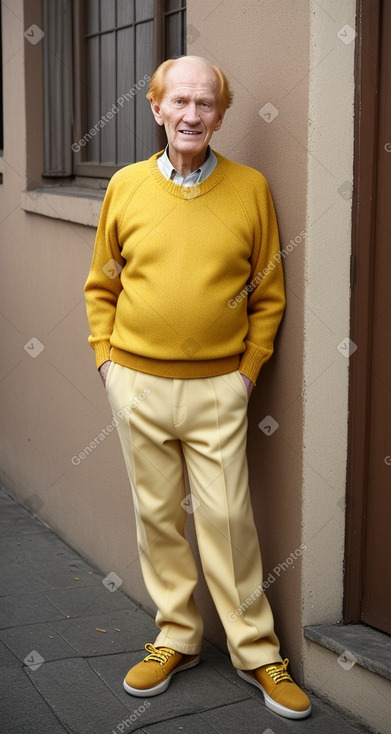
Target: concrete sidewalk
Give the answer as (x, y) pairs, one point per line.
(66, 642)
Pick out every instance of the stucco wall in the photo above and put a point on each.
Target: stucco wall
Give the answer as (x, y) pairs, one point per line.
(327, 296)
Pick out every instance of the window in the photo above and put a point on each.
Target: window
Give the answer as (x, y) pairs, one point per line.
(98, 58)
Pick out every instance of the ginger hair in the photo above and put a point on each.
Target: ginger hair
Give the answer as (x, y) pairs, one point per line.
(157, 84)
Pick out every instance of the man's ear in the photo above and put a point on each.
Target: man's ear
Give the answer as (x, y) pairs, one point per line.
(155, 107)
(219, 122)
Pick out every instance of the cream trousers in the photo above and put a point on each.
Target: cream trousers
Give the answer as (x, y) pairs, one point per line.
(163, 421)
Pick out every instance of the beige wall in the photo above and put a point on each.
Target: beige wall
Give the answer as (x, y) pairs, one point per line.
(327, 285)
(53, 405)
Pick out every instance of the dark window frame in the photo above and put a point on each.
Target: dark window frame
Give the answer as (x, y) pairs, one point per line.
(65, 108)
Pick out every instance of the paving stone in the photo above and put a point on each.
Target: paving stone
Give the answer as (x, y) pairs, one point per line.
(77, 696)
(7, 659)
(195, 690)
(18, 577)
(40, 637)
(77, 602)
(82, 633)
(28, 546)
(69, 574)
(22, 708)
(253, 716)
(60, 691)
(16, 521)
(26, 609)
(5, 498)
(257, 719)
(50, 561)
(221, 662)
(192, 724)
(39, 545)
(135, 718)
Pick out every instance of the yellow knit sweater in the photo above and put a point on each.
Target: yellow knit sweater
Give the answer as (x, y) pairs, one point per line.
(186, 282)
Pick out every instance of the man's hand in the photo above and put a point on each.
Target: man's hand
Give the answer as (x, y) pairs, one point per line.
(249, 385)
(103, 370)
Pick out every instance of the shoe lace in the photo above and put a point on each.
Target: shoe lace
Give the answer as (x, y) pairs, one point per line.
(158, 654)
(279, 671)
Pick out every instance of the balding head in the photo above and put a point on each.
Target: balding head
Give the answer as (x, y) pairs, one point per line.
(193, 65)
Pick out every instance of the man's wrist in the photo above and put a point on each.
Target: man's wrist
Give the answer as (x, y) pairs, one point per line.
(103, 370)
(103, 364)
(248, 384)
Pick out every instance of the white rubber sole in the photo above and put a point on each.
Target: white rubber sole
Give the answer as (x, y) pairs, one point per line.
(273, 705)
(161, 687)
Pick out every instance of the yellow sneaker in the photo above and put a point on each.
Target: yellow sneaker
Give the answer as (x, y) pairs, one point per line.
(152, 676)
(280, 692)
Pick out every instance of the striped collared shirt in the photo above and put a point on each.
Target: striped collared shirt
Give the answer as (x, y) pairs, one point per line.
(196, 177)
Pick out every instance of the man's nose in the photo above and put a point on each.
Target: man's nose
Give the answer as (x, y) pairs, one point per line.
(191, 114)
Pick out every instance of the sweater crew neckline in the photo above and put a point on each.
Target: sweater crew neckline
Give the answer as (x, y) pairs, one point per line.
(188, 192)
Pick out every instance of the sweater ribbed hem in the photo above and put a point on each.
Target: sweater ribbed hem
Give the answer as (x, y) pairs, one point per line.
(184, 369)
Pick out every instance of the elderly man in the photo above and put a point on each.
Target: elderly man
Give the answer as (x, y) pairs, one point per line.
(184, 298)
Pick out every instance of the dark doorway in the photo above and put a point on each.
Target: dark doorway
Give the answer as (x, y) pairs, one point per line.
(368, 548)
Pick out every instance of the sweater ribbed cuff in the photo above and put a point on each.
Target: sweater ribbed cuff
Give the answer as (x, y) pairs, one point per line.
(102, 352)
(252, 361)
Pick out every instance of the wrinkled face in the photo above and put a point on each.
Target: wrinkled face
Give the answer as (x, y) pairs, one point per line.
(188, 110)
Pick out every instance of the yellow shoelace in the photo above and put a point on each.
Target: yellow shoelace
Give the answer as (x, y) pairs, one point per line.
(279, 672)
(158, 654)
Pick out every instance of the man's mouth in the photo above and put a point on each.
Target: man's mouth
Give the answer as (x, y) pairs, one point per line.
(190, 132)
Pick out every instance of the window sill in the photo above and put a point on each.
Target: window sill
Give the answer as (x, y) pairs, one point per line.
(371, 649)
(69, 203)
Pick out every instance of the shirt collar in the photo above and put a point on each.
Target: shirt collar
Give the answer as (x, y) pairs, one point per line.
(195, 177)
